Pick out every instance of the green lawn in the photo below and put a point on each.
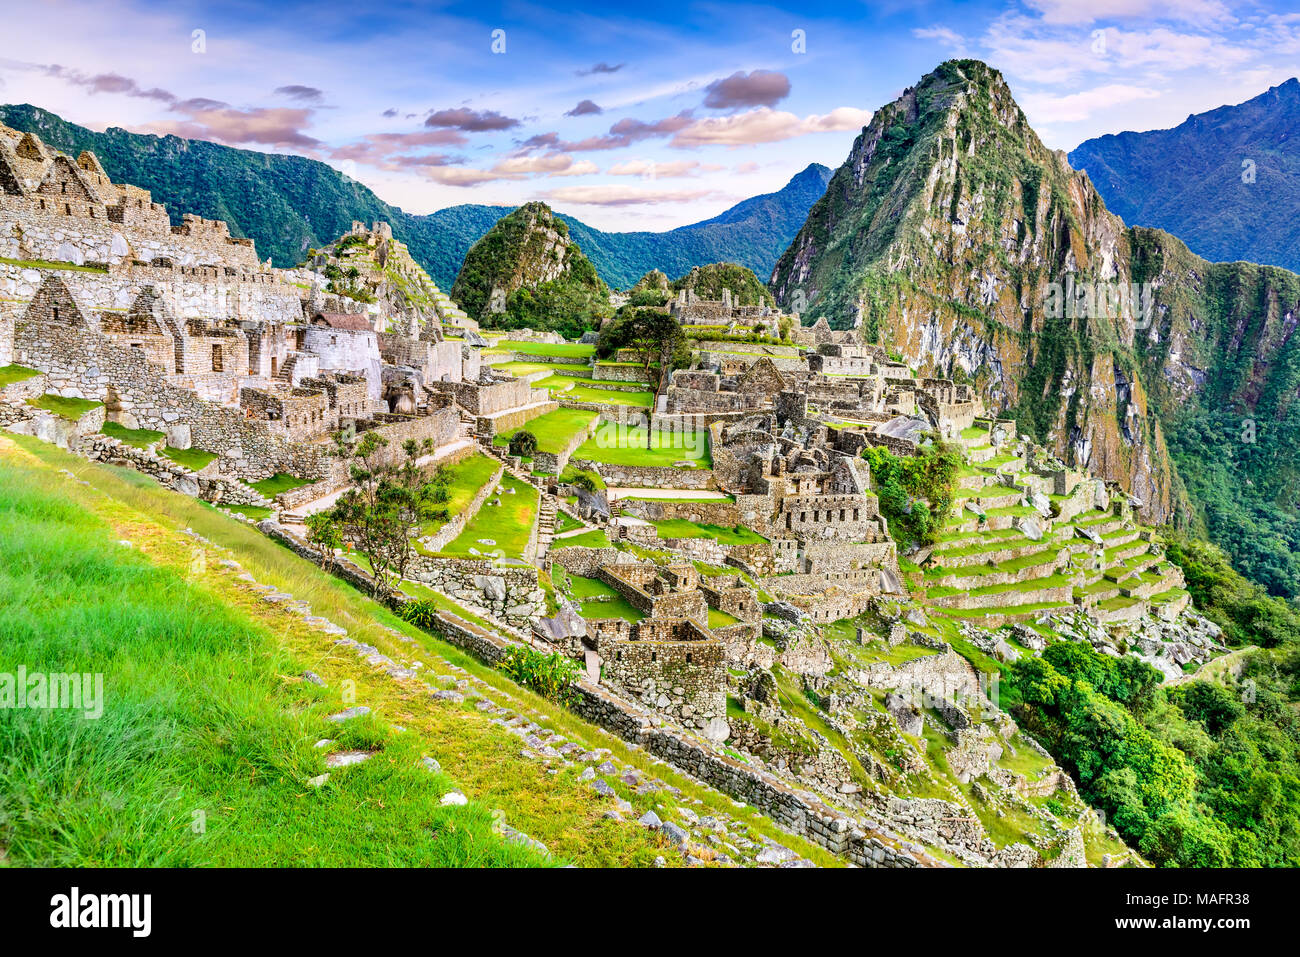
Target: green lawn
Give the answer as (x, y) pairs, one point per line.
(681, 528)
(586, 393)
(201, 747)
(11, 374)
(277, 483)
(564, 350)
(563, 523)
(140, 438)
(596, 538)
(620, 446)
(721, 619)
(466, 477)
(597, 600)
(509, 524)
(554, 430)
(193, 459)
(72, 409)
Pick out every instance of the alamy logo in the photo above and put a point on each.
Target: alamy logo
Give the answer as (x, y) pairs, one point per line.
(53, 690)
(134, 911)
(1086, 299)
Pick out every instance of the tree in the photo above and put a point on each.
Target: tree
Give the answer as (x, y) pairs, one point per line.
(653, 337)
(388, 501)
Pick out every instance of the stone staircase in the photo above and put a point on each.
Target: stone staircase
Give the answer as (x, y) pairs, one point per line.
(285, 372)
(545, 526)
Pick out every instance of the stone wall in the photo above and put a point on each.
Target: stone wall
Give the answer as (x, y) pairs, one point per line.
(510, 593)
(647, 476)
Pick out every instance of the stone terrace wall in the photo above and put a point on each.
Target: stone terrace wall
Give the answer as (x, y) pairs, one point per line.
(649, 476)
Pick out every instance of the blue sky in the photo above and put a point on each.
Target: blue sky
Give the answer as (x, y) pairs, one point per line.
(629, 116)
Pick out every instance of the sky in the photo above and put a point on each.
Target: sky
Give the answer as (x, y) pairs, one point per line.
(628, 116)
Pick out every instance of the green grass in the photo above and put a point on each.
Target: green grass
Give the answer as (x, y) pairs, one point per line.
(65, 408)
(509, 524)
(49, 264)
(194, 459)
(277, 483)
(11, 374)
(564, 350)
(681, 528)
(140, 438)
(199, 724)
(554, 430)
(466, 477)
(721, 619)
(596, 538)
(616, 446)
(584, 393)
(563, 523)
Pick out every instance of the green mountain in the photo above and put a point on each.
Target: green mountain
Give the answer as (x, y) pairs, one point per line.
(526, 272)
(1226, 182)
(953, 236)
(290, 204)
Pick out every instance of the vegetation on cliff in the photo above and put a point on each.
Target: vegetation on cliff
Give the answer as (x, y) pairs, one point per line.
(527, 273)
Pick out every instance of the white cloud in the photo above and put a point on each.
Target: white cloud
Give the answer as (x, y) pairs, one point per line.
(764, 125)
(1090, 11)
(1072, 107)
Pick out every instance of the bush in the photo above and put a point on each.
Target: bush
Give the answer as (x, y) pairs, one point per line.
(422, 613)
(552, 676)
(524, 444)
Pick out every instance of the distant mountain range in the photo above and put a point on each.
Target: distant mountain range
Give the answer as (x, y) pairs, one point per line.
(289, 204)
(1226, 182)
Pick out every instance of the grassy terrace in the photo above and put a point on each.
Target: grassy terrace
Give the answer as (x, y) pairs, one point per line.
(595, 599)
(277, 483)
(596, 538)
(197, 714)
(231, 730)
(509, 524)
(140, 438)
(466, 478)
(193, 459)
(681, 528)
(554, 430)
(11, 374)
(565, 350)
(721, 619)
(628, 447)
(65, 408)
(1032, 584)
(50, 264)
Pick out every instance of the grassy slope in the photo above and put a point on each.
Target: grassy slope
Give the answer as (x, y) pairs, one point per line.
(509, 524)
(482, 759)
(200, 723)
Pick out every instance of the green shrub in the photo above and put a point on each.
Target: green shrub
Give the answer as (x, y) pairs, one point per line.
(552, 676)
(523, 444)
(422, 613)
